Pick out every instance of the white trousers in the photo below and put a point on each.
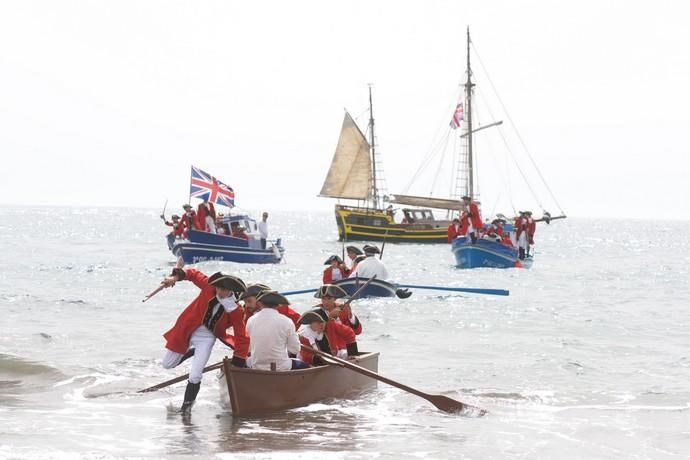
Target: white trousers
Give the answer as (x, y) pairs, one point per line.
(522, 241)
(202, 341)
(210, 224)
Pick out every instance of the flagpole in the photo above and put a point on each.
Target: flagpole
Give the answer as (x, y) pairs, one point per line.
(190, 186)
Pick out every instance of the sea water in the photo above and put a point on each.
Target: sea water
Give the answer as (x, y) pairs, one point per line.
(589, 356)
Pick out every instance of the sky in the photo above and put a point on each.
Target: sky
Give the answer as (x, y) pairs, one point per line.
(109, 103)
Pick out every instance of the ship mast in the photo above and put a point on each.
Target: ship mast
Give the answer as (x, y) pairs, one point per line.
(374, 189)
(468, 97)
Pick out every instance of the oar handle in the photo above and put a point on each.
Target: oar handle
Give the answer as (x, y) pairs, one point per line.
(156, 291)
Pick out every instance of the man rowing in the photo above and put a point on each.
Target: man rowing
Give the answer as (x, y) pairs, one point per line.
(320, 334)
(336, 270)
(370, 266)
(272, 335)
(342, 314)
(205, 319)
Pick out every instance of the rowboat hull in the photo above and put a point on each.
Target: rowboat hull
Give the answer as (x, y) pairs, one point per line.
(204, 246)
(486, 254)
(252, 392)
(377, 288)
(362, 224)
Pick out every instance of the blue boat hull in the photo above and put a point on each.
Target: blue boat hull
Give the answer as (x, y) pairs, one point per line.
(203, 247)
(377, 288)
(486, 253)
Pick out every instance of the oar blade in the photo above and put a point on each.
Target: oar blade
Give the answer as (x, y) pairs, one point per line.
(453, 406)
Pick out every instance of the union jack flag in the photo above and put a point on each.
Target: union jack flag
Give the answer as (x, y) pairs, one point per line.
(207, 188)
(458, 116)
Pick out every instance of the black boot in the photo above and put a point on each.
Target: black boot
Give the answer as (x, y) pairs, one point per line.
(521, 253)
(473, 237)
(186, 356)
(189, 397)
(352, 349)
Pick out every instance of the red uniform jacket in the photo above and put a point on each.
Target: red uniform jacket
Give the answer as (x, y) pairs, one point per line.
(328, 274)
(178, 227)
(521, 225)
(188, 221)
(344, 320)
(284, 310)
(475, 219)
(454, 232)
(336, 333)
(193, 316)
(201, 214)
(495, 228)
(531, 228)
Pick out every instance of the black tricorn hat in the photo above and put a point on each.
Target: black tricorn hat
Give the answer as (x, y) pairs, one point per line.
(359, 258)
(311, 317)
(220, 279)
(271, 298)
(175, 216)
(253, 290)
(529, 213)
(185, 206)
(332, 258)
(330, 290)
(371, 249)
(354, 249)
(498, 221)
(465, 197)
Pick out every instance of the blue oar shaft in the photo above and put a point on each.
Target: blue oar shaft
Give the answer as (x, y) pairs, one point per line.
(458, 289)
(301, 291)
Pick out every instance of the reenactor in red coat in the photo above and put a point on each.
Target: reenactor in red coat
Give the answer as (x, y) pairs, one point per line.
(525, 227)
(470, 219)
(454, 230)
(251, 306)
(206, 319)
(321, 334)
(177, 229)
(336, 270)
(188, 219)
(342, 314)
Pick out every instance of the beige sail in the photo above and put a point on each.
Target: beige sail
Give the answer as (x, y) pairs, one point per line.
(350, 173)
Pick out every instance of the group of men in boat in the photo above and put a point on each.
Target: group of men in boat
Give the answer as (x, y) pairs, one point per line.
(363, 263)
(206, 219)
(266, 332)
(470, 225)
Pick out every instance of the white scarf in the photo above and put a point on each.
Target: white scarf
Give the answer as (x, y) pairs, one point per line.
(228, 303)
(310, 334)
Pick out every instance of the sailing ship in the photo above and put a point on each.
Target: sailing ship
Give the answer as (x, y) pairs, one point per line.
(354, 174)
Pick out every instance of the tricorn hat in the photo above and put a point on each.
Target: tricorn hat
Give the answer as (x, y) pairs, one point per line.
(220, 279)
(359, 258)
(354, 249)
(175, 216)
(271, 298)
(311, 317)
(253, 290)
(332, 258)
(330, 290)
(187, 206)
(465, 197)
(529, 213)
(371, 249)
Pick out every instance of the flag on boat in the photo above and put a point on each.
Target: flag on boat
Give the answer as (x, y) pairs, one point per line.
(458, 116)
(207, 188)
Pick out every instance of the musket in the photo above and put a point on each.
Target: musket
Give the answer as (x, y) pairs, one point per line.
(156, 291)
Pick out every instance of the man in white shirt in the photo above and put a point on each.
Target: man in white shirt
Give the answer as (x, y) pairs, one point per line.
(263, 229)
(272, 335)
(370, 266)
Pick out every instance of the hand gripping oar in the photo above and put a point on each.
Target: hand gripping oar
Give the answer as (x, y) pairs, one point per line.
(443, 403)
(458, 289)
(179, 379)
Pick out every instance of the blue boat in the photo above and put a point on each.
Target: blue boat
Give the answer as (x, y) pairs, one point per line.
(204, 246)
(377, 288)
(486, 253)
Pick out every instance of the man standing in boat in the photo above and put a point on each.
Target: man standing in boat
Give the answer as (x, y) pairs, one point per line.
(336, 270)
(370, 266)
(263, 229)
(251, 306)
(204, 320)
(273, 336)
(352, 253)
(523, 226)
(177, 229)
(471, 219)
(454, 230)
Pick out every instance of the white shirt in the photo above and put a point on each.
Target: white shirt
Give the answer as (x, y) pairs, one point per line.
(369, 267)
(263, 229)
(271, 337)
(336, 274)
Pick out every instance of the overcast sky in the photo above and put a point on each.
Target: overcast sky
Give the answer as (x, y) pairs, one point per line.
(109, 103)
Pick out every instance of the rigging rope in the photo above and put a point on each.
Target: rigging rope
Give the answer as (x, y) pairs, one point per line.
(524, 146)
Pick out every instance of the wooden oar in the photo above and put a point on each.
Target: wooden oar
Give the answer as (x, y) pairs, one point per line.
(307, 291)
(443, 403)
(178, 264)
(178, 379)
(458, 289)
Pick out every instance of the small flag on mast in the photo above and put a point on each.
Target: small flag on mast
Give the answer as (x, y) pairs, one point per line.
(458, 115)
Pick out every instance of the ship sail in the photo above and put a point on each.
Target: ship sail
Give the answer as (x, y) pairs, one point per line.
(350, 175)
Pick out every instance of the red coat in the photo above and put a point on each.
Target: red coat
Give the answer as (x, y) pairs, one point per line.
(475, 219)
(498, 230)
(188, 222)
(336, 333)
(531, 229)
(328, 274)
(178, 227)
(284, 310)
(201, 214)
(454, 232)
(192, 317)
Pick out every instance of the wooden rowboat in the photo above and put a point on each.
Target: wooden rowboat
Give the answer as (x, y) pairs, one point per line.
(256, 392)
